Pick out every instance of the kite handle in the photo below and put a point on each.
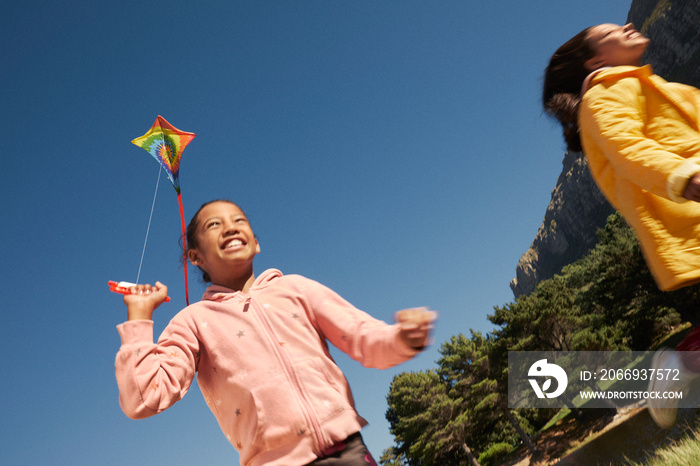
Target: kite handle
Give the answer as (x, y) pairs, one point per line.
(124, 288)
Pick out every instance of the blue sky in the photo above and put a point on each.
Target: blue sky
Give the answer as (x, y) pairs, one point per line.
(395, 151)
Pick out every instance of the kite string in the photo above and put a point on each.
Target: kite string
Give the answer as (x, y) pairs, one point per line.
(149, 224)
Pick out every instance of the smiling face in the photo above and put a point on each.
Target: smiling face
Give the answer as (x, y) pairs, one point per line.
(225, 245)
(615, 45)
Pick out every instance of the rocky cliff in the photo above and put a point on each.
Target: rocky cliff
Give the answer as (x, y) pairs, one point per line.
(674, 29)
(577, 208)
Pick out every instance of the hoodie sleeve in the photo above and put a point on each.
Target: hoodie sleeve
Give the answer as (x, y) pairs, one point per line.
(152, 377)
(612, 120)
(370, 341)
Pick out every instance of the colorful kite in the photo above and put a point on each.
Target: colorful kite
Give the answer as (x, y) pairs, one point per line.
(166, 144)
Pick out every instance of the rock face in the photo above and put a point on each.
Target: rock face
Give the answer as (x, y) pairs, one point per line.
(577, 208)
(576, 211)
(674, 29)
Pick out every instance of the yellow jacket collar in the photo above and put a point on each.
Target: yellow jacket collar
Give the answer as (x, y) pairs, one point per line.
(615, 72)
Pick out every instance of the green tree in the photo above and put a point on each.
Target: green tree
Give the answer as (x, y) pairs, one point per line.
(438, 417)
(391, 458)
(606, 301)
(613, 285)
(472, 375)
(428, 426)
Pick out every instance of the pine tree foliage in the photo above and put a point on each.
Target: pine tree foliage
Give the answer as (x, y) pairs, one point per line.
(606, 301)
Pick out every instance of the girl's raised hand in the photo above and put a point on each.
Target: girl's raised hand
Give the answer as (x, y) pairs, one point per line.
(415, 326)
(144, 299)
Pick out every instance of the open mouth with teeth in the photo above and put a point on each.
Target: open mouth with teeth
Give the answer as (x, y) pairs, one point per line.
(234, 243)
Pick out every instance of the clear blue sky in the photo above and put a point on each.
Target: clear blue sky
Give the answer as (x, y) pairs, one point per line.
(395, 151)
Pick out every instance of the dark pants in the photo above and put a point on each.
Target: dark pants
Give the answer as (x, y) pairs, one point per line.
(355, 453)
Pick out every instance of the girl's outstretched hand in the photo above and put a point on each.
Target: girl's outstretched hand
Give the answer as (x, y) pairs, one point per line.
(144, 299)
(415, 326)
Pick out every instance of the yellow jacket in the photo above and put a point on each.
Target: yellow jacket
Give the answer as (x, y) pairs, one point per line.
(641, 138)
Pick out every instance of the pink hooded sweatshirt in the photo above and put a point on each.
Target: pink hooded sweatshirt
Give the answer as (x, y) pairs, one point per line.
(263, 365)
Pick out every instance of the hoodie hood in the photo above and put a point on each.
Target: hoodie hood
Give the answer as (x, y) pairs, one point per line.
(221, 293)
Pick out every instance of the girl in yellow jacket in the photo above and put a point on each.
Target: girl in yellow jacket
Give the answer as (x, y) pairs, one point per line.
(641, 137)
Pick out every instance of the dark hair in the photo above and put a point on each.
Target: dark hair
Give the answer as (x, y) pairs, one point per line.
(563, 79)
(191, 234)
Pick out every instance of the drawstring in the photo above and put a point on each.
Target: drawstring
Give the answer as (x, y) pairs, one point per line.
(246, 303)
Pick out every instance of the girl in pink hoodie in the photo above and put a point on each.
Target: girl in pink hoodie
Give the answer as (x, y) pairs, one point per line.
(259, 347)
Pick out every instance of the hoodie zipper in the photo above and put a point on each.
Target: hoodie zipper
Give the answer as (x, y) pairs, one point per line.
(289, 368)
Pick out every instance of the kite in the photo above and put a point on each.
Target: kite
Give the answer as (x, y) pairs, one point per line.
(166, 144)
